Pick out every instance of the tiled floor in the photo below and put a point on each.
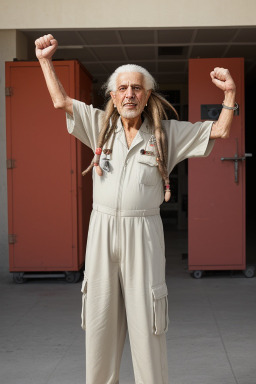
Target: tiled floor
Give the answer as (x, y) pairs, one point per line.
(211, 337)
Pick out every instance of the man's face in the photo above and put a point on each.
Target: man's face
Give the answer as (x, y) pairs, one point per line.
(130, 96)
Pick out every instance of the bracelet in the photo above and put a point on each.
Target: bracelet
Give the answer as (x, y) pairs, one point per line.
(232, 108)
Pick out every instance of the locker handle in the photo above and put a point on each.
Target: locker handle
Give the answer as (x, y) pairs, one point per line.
(236, 159)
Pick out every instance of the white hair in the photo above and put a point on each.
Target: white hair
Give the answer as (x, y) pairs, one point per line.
(149, 81)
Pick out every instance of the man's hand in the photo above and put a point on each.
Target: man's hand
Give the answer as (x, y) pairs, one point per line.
(45, 47)
(223, 80)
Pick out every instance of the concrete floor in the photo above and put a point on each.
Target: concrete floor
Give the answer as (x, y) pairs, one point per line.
(211, 337)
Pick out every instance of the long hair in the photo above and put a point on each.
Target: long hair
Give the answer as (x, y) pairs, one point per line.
(156, 110)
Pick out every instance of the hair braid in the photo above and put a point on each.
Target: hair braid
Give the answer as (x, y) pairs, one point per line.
(107, 129)
(156, 110)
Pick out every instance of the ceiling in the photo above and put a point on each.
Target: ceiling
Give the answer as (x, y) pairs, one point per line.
(164, 52)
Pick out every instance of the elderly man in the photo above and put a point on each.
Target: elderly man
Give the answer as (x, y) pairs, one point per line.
(135, 148)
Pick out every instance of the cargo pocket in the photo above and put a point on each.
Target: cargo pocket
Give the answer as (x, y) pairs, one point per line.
(147, 170)
(84, 299)
(160, 309)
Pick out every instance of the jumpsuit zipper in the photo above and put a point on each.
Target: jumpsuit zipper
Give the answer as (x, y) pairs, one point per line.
(118, 212)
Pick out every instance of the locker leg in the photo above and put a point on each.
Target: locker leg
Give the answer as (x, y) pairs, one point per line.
(73, 276)
(249, 271)
(197, 274)
(18, 277)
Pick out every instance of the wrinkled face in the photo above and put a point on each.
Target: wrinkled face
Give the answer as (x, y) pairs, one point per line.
(130, 96)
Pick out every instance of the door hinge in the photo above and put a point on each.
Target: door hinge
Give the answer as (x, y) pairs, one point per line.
(10, 163)
(12, 239)
(8, 91)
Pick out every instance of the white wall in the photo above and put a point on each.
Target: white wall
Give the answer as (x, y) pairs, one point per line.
(13, 45)
(16, 14)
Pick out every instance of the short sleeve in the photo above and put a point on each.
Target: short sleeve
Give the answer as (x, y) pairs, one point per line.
(187, 140)
(85, 123)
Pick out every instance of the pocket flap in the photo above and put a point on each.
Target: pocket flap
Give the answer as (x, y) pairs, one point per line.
(149, 160)
(160, 291)
(84, 284)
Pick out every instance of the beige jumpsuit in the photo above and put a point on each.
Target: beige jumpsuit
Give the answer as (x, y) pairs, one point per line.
(124, 279)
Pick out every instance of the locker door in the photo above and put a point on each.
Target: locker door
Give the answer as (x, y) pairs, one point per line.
(42, 186)
(216, 222)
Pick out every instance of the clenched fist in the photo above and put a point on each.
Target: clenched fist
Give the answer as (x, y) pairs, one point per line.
(222, 79)
(45, 47)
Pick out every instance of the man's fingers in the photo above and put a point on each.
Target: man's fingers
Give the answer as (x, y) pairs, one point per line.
(212, 75)
(54, 42)
(38, 44)
(218, 83)
(220, 74)
(50, 37)
(44, 41)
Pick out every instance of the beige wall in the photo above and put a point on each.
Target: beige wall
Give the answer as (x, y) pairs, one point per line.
(16, 14)
(13, 45)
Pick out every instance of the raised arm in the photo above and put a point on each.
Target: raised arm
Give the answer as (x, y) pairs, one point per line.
(45, 48)
(223, 80)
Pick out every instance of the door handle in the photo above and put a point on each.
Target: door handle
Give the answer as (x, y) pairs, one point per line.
(236, 159)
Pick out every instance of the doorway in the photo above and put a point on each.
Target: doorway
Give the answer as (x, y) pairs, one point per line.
(250, 147)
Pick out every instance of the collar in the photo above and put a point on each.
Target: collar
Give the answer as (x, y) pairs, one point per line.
(145, 126)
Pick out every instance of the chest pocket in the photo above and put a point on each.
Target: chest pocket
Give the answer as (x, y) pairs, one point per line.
(147, 170)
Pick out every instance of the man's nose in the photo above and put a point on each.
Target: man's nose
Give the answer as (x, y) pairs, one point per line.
(129, 92)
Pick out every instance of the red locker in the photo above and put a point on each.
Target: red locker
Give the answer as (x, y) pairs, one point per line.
(216, 218)
(49, 202)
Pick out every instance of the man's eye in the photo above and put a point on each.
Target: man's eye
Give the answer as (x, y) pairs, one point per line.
(122, 89)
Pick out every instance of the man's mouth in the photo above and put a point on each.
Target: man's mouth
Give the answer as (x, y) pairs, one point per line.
(129, 105)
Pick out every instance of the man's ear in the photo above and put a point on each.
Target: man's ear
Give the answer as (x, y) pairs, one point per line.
(148, 94)
(113, 96)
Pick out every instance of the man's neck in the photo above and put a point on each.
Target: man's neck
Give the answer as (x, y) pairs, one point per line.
(131, 124)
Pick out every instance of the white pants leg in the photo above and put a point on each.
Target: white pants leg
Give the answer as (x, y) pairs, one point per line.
(145, 294)
(125, 283)
(105, 319)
